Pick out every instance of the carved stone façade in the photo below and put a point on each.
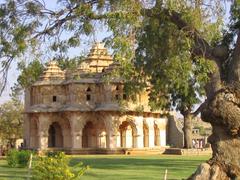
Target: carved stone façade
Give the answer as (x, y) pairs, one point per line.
(80, 110)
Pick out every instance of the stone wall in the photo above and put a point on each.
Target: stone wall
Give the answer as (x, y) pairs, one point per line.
(175, 134)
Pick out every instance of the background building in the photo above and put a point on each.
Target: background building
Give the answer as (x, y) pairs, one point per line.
(76, 111)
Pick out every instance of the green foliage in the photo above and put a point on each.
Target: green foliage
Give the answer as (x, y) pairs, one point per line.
(23, 157)
(11, 122)
(55, 166)
(29, 73)
(165, 59)
(53, 153)
(15, 157)
(12, 158)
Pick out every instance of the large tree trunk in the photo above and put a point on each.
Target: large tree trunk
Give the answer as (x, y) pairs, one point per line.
(223, 112)
(187, 130)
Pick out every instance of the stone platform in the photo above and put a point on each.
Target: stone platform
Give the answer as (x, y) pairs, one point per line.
(126, 151)
(179, 151)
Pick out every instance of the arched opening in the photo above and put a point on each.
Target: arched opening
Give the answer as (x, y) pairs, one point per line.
(55, 136)
(88, 94)
(94, 135)
(156, 135)
(145, 135)
(89, 138)
(128, 134)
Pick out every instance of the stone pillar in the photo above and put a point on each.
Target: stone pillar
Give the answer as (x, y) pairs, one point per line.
(43, 131)
(67, 138)
(162, 137)
(77, 122)
(42, 140)
(139, 136)
(118, 139)
(27, 130)
(111, 139)
(111, 130)
(162, 126)
(77, 140)
(150, 123)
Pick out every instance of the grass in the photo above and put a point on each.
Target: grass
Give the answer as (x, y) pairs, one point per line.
(117, 167)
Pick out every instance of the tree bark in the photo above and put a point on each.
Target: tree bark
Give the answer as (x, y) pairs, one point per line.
(187, 130)
(223, 112)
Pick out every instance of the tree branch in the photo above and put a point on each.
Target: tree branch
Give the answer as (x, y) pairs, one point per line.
(201, 48)
(234, 66)
(199, 109)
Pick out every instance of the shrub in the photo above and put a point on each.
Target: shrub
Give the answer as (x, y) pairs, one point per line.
(12, 158)
(15, 157)
(23, 157)
(53, 153)
(56, 167)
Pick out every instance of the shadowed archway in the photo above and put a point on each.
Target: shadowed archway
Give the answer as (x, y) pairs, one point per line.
(55, 136)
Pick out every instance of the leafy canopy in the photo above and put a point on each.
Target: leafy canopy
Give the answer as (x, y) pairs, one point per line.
(146, 38)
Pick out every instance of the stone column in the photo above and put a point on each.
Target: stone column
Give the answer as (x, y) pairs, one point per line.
(163, 137)
(67, 138)
(43, 131)
(77, 140)
(111, 139)
(139, 127)
(27, 130)
(111, 130)
(77, 123)
(162, 125)
(150, 122)
(42, 140)
(118, 139)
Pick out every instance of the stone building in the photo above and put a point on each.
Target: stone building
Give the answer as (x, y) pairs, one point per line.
(76, 111)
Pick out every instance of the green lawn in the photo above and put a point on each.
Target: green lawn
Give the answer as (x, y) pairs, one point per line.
(116, 167)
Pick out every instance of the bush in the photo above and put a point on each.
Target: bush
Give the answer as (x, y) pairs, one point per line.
(23, 158)
(56, 167)
(53, 153)
(15, 157)
(12, 158)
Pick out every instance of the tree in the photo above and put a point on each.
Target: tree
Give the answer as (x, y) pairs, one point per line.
(11, 122)
(182, 44)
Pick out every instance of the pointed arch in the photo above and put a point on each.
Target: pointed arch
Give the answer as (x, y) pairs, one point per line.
(128, 134)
